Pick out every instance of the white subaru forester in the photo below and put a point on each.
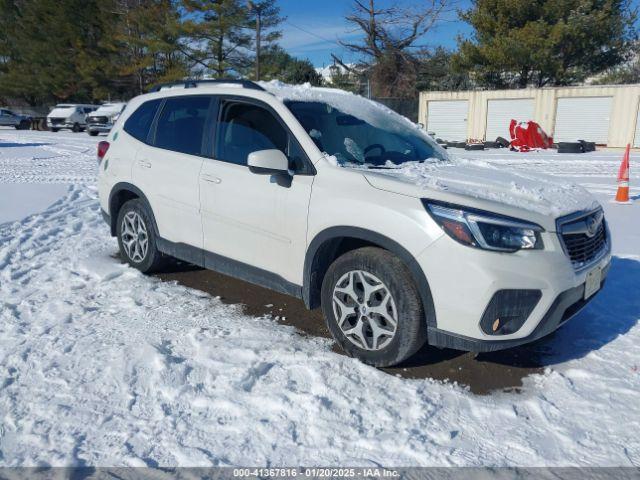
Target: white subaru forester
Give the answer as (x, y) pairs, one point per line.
(335, 199)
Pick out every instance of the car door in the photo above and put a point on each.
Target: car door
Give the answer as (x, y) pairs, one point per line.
(6, 118)
(258, 220)
(167, 169)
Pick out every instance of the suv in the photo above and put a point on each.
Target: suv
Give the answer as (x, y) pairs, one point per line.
(70, 116)
(336, 200)
(11, 119)
(102, 119)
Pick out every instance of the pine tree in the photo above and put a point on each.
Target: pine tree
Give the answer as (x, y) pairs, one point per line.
(517, 43)
(280, 65)
(56, 49)
(265, 17)
(148, 37)
(216, 36)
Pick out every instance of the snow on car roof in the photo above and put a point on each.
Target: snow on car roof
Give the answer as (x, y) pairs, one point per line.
(368, 110)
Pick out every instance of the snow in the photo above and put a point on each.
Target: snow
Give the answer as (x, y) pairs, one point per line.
(524, 189)
(103, 366)
(19, 200)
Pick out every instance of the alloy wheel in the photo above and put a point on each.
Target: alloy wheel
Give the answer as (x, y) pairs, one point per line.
(365, 310)
(134, 235)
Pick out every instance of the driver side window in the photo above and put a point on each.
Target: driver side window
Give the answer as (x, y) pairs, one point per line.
(244, 128)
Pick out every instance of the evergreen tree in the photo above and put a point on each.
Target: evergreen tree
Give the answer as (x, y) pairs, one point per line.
(435, 72)
(265, 17)
(216, 36)
(55, 50)
(279, 65)
(148, 37)
(544, 42)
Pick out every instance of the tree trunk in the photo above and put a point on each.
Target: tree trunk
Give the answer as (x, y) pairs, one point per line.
(258, 34)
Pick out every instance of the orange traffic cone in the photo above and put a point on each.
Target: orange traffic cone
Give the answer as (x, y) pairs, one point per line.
(623, 180)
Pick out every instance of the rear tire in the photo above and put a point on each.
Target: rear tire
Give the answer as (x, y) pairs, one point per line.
(54, 130)
(76, 128)
(365, 328)
(137, 238)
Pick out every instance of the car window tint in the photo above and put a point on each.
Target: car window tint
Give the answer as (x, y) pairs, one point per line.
(137, 125)
(181, 124)
(246, 128)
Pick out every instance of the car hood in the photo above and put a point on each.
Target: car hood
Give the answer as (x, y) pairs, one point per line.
(61, 112)
(478, 184)
(106, 111)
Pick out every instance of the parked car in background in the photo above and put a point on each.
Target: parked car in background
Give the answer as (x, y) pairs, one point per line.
(102, 119)
(337, 200)
(11, 119)
(70, 116)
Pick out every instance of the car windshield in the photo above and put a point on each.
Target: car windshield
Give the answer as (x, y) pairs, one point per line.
(376, 138)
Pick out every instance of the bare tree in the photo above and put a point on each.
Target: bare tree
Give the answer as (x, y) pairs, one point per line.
(392, 37)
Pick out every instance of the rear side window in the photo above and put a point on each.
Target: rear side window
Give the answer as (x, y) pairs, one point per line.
(138, 124)
(181, 124)
(246, 128)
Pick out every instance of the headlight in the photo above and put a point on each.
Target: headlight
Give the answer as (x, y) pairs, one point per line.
(485, 230)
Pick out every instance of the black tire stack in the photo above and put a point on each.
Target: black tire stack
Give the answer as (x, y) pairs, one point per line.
(580, 146)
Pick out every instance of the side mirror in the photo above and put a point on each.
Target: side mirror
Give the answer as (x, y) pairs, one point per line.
(268, 162)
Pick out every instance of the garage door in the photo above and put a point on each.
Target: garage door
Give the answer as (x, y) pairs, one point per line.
(448, 119)
(500, 113)
(636, 141)
(583, 118)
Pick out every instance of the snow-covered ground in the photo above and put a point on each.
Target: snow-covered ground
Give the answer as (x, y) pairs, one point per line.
(100, 365)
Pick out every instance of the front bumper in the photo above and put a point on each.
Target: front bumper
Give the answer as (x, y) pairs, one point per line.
(566, 305)
(62, 126)
(99, 127)
(463, 285)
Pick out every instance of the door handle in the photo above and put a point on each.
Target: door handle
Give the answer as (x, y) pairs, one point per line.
(210, 178)
(144, 163)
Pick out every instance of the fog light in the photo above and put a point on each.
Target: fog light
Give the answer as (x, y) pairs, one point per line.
(508, 310)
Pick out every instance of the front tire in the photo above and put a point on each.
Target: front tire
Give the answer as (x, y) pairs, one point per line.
(137, 238)
(93, 134)
(372, 307)
(76, 128)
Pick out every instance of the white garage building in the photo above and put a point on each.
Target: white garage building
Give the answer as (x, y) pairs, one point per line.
(608, 115)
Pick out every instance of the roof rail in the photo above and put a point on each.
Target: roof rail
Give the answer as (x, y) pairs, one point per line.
(193, 83)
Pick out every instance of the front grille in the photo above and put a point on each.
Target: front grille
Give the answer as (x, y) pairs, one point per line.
(98, 120)
(57, 121)
(584, 238)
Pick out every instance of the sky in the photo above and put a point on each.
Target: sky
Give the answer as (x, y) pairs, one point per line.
(313, 27)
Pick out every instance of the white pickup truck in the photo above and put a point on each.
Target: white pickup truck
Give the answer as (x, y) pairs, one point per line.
(101, 120)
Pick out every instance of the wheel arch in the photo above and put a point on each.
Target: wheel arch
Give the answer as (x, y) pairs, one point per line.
(121, 193)
(329, 244)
